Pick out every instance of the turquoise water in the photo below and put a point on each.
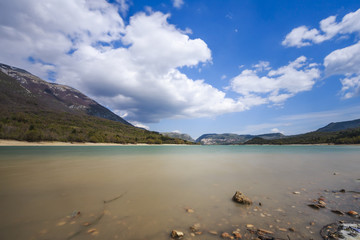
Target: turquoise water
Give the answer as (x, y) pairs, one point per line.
(177, 149)
(40, 188)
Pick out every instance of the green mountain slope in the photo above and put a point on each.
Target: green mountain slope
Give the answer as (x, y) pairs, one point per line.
(34, 110)
(338, 126)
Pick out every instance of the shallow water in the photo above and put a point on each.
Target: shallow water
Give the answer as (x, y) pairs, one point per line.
(40, 188)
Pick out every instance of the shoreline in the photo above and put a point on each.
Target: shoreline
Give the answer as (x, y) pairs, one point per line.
(7, 142)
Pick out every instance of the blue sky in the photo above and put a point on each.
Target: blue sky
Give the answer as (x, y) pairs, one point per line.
(196, 67)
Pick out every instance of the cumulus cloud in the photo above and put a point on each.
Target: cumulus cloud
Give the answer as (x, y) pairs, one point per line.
(133, 69)
(178, 3)
(275, 86)
(45, 30)
(329, 28)
(345, 61)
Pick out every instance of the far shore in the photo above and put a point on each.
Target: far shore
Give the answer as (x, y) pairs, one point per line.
(6, 142)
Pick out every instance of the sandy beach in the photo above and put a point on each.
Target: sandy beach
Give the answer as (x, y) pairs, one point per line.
(4, 142)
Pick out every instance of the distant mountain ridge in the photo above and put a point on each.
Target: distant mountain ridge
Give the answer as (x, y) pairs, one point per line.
(231, 138)
(338, 126)
(57, 97)
(347, 132)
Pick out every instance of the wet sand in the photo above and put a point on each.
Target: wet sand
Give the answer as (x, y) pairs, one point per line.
(152, 188)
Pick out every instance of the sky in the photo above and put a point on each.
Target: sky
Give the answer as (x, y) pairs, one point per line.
(196, 67)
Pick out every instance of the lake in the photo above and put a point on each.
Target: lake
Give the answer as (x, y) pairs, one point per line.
(145, 192)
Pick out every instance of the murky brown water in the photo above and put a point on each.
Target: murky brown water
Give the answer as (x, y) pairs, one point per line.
(40, 188)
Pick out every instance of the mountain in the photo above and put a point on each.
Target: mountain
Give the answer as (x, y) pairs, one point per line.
(347, 132)
(54, 96)
(182, 136)
(32, 109)
(338, 126)
(230, 138)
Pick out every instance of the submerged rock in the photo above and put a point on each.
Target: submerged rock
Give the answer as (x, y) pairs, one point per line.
(239, 197)
(176, 234)
(346, 231)
(195, 228)
(226, 235)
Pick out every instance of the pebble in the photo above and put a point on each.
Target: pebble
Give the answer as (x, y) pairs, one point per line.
(352, 213)
(265, 231)
(61, 223)
(213, 232)
(226, 235)
(296, 192)
(176, 234)
(195, 227)
(249, 226)
(189, 210)
(93, 231)
(338, 212)
(237, 234)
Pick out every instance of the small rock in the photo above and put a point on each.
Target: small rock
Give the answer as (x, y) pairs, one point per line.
(352, 213)
(91, 230)
(321, 204)
(75, 214)
(61, 223)
(338, 212)
(296, 192)
(198, 233)
(226, 235)
(342, 190)
(315, 206)
(189, 210)
(265, 231)
(213, 232)
(291, 229)
(237, 234)
(192, 234)
(176, 234)
(282, 229)
(195, 227)
(249, 226)
(239, 197)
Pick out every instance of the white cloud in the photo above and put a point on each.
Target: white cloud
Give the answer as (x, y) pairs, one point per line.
(262, 65)
(329, 28)
(45, 30)
(140, 125)
(350, 87)
(124, 6)
(277, 85)
(178, 3)
(276, 130)
(132, 69)
(345, 61)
